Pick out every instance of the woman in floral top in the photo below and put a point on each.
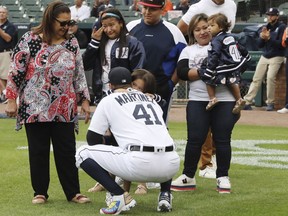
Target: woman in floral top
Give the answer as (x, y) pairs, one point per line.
(47, 76)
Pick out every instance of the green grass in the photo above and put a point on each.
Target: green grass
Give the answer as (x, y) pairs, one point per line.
(255, 190)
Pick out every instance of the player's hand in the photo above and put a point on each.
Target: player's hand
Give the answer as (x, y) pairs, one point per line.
(97, 33)
(85, 109)
(11, 108)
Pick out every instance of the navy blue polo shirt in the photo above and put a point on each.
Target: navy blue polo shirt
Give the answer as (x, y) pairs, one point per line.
(10, 29)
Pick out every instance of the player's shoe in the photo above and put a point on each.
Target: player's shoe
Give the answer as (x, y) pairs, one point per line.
(118, 204)
(108, 198)
(223, 185)
(164, 202)
(183, 183)
(208, 172)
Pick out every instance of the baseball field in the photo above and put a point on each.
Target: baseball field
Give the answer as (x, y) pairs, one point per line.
(259, 173)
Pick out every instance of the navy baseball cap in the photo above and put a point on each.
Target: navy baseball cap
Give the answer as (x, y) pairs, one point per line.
(272, 12)
(119, 76)
(152, 3)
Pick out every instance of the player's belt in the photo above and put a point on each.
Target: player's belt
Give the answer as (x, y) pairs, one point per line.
(151, 148)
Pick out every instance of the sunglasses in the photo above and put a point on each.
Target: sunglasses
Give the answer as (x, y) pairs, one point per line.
(64, 23)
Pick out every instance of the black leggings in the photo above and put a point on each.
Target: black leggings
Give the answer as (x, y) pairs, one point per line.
(62, 137)
(221, 120)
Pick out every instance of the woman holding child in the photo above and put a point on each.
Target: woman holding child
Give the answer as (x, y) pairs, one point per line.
(220, 119)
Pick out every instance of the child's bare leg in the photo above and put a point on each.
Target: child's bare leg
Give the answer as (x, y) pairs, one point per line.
(235, 90)
(213, 100)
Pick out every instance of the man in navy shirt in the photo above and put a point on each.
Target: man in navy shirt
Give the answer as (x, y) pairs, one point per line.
(7, 32)
(269, 41)
(163, 43)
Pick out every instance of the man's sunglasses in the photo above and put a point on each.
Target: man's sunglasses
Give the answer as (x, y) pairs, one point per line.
(64, 23)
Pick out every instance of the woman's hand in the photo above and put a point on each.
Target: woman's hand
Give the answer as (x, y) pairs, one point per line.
(11, 108)
(85, 108)
(97, 33)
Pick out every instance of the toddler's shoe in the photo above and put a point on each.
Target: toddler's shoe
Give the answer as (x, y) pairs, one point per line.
(240, 104)
(212, 103)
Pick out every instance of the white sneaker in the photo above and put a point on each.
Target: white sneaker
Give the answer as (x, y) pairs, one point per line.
(283, 110)
(119, 203)
(119, 181)
(153, 185)
(223, 185)
(183, 183)
(208, 172)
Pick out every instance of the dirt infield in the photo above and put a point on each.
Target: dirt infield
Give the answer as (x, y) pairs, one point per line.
(257, 116)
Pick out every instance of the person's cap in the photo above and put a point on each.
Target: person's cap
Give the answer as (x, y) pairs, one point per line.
(73, 22)
(272, 11)
(119, 76)
(152, 3)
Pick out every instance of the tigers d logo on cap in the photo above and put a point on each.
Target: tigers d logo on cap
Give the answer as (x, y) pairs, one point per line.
(272, 12)
(152, 3)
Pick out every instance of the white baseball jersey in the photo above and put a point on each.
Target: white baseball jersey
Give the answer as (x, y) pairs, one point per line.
(135, 120)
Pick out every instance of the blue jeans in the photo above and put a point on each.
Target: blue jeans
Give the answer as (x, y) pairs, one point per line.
(221, 120)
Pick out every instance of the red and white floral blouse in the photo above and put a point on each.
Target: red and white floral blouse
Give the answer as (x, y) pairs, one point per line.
(48, 79)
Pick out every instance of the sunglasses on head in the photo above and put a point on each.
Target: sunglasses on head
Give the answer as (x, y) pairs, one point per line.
(64, 23)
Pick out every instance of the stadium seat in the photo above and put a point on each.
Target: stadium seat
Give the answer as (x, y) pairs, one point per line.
(13, 8)
(9, 2)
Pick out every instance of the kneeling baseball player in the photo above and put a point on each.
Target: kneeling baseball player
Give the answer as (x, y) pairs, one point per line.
(136, 121)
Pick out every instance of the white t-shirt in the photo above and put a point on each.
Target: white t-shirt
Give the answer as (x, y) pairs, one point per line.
(80, 14)
(228, 8)
(133, 118)
(197, 89)
(107, 67)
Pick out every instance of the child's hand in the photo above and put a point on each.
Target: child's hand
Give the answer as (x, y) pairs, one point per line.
(97, 33)
(206, 75)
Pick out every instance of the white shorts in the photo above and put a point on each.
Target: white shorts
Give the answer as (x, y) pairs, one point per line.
(132, 165)
(5, 60)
